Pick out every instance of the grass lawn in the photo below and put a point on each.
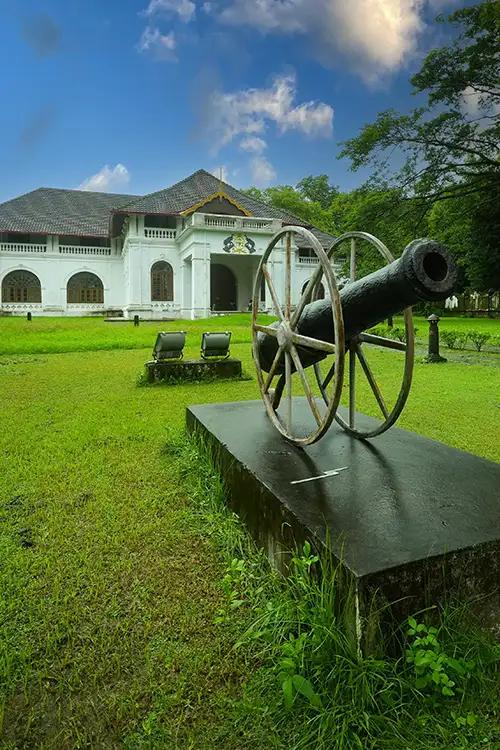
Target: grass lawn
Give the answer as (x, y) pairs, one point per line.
(110, 575)
(51, 335)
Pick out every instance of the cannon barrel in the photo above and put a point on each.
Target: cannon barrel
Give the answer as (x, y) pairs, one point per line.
(424, 272)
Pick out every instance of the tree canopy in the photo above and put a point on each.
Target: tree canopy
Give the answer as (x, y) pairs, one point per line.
(449, 146)
(447, 183)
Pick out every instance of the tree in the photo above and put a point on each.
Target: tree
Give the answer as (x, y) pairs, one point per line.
(470, 228)
(293, 201)
(317, 189)
(450, 145)
(381, 213)
(452, 151)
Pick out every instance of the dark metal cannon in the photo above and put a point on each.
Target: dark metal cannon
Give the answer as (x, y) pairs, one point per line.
(340, 323)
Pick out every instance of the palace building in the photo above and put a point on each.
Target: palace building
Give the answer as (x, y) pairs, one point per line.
(186, 251)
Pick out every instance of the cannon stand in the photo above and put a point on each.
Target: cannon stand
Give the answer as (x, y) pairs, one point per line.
(410, 520)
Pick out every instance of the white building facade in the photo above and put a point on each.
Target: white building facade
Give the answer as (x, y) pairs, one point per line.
(189, 251)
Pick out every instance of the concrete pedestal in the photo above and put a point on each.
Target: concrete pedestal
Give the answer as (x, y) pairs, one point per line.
(410, 520)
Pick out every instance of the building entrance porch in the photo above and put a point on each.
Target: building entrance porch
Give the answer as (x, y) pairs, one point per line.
(231, 282)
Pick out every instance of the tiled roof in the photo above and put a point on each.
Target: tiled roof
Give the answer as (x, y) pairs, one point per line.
(54, 211)
(325, 238)
(81, 212)
(201, 184)
(189, 191)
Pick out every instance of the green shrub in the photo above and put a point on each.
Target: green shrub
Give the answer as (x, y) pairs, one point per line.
(461, 341)
(450, 338)
(478, 339)
(399, 334)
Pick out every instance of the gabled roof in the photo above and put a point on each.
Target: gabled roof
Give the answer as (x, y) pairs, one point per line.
(191, 190)
(54, 211)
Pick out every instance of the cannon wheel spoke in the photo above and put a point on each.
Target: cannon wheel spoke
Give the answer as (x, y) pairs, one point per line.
(352, 261)
(370, 338)
(288, 276)
(266, 329)
(272, 290)
(289, 384)
(371, 381)
(323, 383)
(306, 295)
(352, 386)
(275, 384)
(278, 392)
(305, 385)
(307, 341)
(390, 415)
(272, 370)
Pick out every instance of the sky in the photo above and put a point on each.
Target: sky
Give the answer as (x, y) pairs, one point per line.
(130, 96)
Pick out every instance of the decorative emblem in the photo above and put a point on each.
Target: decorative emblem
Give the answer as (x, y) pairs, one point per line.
(239, 244)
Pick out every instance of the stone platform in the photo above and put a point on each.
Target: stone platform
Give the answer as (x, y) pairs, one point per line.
(180, 370)
(411, 520)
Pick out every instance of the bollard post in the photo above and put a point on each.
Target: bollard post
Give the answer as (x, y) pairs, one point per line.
(136, 321)
(433, 350)
(28, 317)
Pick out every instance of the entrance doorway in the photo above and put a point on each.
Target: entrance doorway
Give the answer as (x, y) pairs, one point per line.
(223, 289)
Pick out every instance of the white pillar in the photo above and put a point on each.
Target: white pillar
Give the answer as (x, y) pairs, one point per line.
(186, 289)
(140, 226)
(200, 279)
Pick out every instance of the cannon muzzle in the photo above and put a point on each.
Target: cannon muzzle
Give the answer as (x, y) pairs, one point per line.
(425, 272)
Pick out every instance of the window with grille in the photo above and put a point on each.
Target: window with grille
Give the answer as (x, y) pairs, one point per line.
(21, 286)
(162, 282)
(85, 289)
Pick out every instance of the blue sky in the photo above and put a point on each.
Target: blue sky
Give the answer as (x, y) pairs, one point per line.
(133, 95)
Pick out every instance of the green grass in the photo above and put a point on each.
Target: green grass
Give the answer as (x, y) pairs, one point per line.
(51, 335)
(111, 564)
(56, 335)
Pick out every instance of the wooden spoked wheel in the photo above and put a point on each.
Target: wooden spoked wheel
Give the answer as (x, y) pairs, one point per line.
(276, 267)
(356, 353)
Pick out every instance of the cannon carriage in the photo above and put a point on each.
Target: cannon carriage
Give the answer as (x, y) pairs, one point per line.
(316, 335)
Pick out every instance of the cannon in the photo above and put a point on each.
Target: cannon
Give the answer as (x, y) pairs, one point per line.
(319, 333)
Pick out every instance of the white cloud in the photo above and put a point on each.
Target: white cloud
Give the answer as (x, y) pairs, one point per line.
(253, 144)
(470, 101)
(107, 179)
(475, 104)
(247, 112)
(185, 9)
(375, 37)
(161, 46)
(263, 173)
(207, 7)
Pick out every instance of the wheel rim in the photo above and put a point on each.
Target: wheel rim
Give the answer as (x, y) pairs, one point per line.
(356, 352)
(288, 338)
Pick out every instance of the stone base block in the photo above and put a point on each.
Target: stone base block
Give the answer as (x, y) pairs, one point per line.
(409, 520)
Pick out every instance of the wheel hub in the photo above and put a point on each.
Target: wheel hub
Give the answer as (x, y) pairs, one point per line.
(284, 335)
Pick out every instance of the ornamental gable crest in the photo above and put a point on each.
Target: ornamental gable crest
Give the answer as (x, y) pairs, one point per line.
(239, 244)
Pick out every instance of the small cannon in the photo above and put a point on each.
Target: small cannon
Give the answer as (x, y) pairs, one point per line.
(315, 329)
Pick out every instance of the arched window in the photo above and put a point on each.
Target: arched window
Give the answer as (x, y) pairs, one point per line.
(162, 282)
(85, 289)
(21, 286)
